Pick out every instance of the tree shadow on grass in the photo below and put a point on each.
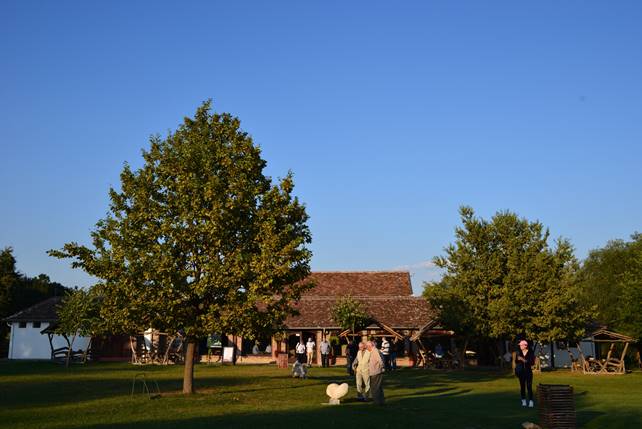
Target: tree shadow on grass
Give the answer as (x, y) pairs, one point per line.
(460, 409)
(62, 391)
(455, 409)
(441, 407)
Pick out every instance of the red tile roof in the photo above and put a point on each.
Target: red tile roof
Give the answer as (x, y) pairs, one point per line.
(367, 283)
(386, 297)
(399, 312)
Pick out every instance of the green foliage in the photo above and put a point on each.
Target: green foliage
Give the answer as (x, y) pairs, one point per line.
(8, 281)
(79, 314)
(349, 313)
(199, 239)
(503, 280)
(611, 279)
(18, 291)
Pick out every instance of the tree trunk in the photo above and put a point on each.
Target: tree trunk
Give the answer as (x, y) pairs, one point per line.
(463, 353)
(188, 373)
(71, 346)
(86, 352)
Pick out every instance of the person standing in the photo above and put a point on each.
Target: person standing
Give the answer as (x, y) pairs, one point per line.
(351, 353)
(361, 366)
(385, 352)
(300, 352)
(524, 371)
(375, 370)
(325, 348)
(309, 348)
(393, 353)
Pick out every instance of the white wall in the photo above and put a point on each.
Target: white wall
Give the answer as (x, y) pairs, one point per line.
(562, 358)
(29, 343)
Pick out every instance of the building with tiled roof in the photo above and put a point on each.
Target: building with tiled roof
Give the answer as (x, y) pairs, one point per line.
(386, 296)
(26, 339)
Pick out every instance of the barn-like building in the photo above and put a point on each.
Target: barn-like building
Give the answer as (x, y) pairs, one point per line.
(386, 296)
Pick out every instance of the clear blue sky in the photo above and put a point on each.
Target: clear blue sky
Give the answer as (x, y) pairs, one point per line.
(390, 115)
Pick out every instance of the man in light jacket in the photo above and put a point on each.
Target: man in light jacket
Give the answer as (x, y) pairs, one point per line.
(361, 366)
(375, 369)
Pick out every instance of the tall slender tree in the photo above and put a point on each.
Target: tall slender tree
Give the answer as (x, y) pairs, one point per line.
(198, 239)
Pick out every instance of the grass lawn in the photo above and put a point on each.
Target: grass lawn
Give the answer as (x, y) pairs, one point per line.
(44, 395)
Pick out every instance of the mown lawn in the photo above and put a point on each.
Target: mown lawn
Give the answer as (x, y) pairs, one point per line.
(45, 395)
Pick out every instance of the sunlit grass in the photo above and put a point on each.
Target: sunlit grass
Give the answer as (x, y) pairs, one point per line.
(45, 395)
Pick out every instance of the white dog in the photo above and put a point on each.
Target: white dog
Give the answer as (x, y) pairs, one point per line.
(299, 370)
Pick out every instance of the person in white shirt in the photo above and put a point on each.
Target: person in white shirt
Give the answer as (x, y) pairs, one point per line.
(325, 348)
(300, 352)
(309, 348)
(385, 351)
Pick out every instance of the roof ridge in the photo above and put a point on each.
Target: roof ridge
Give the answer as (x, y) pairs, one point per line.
(335, 297)
(361, 272)
(33, 307)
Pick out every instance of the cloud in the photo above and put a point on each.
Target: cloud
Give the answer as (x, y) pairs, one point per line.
(423, 265)
(420, 273)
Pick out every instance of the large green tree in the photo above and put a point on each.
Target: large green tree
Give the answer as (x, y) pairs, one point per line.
(503, 280)
(612, 281)
(199, 239)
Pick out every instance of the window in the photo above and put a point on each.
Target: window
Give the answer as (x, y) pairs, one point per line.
(22, 324)
(36, 324)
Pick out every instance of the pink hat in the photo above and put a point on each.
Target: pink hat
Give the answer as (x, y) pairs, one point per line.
(523, 343)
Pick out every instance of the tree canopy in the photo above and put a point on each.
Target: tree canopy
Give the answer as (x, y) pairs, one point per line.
(611, 279)
(79, 315)
(18, 291)
(349, 313)
(199, 239)
(503, 280)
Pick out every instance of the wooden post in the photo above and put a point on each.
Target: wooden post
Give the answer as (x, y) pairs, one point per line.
(318, 352)
(275, 347)
(622, 368)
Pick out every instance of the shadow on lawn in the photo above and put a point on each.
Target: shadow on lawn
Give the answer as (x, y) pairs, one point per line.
(444, 409)
(66, 390)
(452, 409)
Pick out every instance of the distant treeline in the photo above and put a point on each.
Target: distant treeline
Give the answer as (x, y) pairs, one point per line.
(18, 291)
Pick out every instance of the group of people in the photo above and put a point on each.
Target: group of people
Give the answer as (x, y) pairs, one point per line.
(368, 363)
(388, 354)
(305, 352)
(368, 367)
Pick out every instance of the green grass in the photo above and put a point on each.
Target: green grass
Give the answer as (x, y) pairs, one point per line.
(45, 395)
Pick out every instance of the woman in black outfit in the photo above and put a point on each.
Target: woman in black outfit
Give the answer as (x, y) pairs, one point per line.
(524, 371)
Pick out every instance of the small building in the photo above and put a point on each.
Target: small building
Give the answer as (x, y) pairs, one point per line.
(386, 297)
(27, 339)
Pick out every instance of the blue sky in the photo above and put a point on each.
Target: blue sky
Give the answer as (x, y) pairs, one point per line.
(391, 116)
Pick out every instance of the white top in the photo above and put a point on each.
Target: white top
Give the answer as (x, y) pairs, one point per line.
(310, 346)
(385, 347)
(300, 348)
(325, 347)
